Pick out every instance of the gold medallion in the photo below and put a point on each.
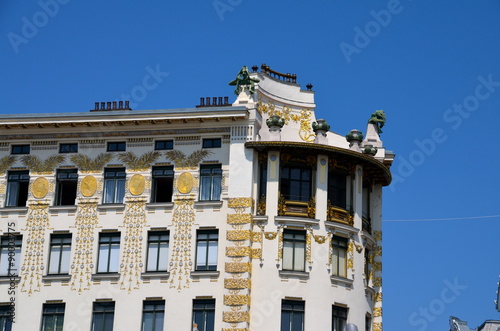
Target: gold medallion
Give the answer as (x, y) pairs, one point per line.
(88, 186)
(137, 184)
(185, 183)
(40, 187)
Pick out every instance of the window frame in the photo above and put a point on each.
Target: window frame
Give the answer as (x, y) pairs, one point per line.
(154, 312)
(24, 149)
(63, 240)
(337, 189)
(66, 180)
(70, 146)
(214, 174)
(118, 182)
(6, 317)
(114, 240)
(56, 315)
(20, 187)
(297, 307)
(104, 305)
(207, 265)
(287, 182)
(5, 244)
(294, 249)
(338, 321)
(211, 143)
(339, 244)
(207, 308)
(162, 176)
(167, 145)
(116, 146)
(159, 254)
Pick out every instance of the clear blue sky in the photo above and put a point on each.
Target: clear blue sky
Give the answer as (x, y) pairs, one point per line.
(433, 66)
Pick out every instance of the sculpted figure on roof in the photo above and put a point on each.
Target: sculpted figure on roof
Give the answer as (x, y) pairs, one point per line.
(243, 79)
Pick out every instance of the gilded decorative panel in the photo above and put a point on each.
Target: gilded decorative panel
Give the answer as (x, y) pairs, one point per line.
(235, 316)
(377, 326)
(239, 218)
(132, 264)
(236, 300)
(237, 283)
(82, 265)
(257, 237)
(377, 235)
(377, 281)
(40, 187)
(240, 202)
(181, 262)
(238, 234)
(377, 312)
(238, 251)
(256, 253)
(238, 267)
(33, 260)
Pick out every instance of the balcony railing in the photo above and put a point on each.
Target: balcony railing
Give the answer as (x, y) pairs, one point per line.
(339, 215)
(261, 205)
(296, 208)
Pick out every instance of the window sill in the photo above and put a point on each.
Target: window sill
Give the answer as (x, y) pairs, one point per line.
(114, 276)
(111, 206)
(62, 277)
(63, 208)
(370, 291)
(294, 274)
(341, 280)
(155, 274)
(260, 218)
(205, 273)
(292, 220)
(215, 203)
(8, 279)
(157, 205)
(368, 238)
(15, 209)
(347, 229)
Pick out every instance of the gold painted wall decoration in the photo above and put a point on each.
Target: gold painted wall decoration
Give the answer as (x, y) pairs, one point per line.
(40, 187)
(39, 166)
(88, 186)
(185, 183)
(137, 184)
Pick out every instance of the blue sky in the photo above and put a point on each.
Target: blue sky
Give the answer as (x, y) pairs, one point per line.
(433, 66)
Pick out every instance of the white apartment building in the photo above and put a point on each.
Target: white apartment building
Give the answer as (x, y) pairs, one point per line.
(235, 217)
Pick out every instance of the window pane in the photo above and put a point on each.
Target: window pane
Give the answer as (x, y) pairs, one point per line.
(120, 190)
(152, 256)
(12, 193)
(298, 321)
(212, 253)
(65, 259)
(201, 255)
(286, 321)
(216, 188)
(288, 255)
(109, 190)
(299, 263)
(163, 259)
(103, 258)
(147, 323)
(54, 260)
(113, 262)
(205, 188)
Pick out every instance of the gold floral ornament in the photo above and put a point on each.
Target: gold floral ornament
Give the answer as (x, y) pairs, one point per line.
(141, 163)
(182, 161)
(88, 164)
(40, 187)
(137, 184)
(185, 183)
(320, 239)
(37, 165)
(88, 186)
(6, 162)
(270, 235)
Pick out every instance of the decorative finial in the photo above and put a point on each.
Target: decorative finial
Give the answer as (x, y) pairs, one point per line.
(378, 118)
(354, 135)
(309, 86)
(255, 68)
(320, 125)
(243, 79)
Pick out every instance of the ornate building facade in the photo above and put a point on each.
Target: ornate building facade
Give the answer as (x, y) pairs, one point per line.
(233, 217)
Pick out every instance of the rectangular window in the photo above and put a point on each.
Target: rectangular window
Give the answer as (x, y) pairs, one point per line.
(53, 316)
(366, 202)
(153, 315)
(60, 250)
(109, 251)
(296, 183)
(339, 318)
(158, 242)
(6, 318)
(339, 258)
(292, 315)
(206, 249)
(337, 189)
(210, 182)
(163, 184)
(368, 265)
(212, 143)
(17, 188)
(117, 146)
(20, 149)
(67, 183)
(294, 250)
(103, 315)
(164, 144)
(9, 263)
(114, 185)
(204, 314)
(368, 323)
(68, 148)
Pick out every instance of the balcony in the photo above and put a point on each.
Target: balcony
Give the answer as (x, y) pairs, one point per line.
(339, 215)
(296, 208)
